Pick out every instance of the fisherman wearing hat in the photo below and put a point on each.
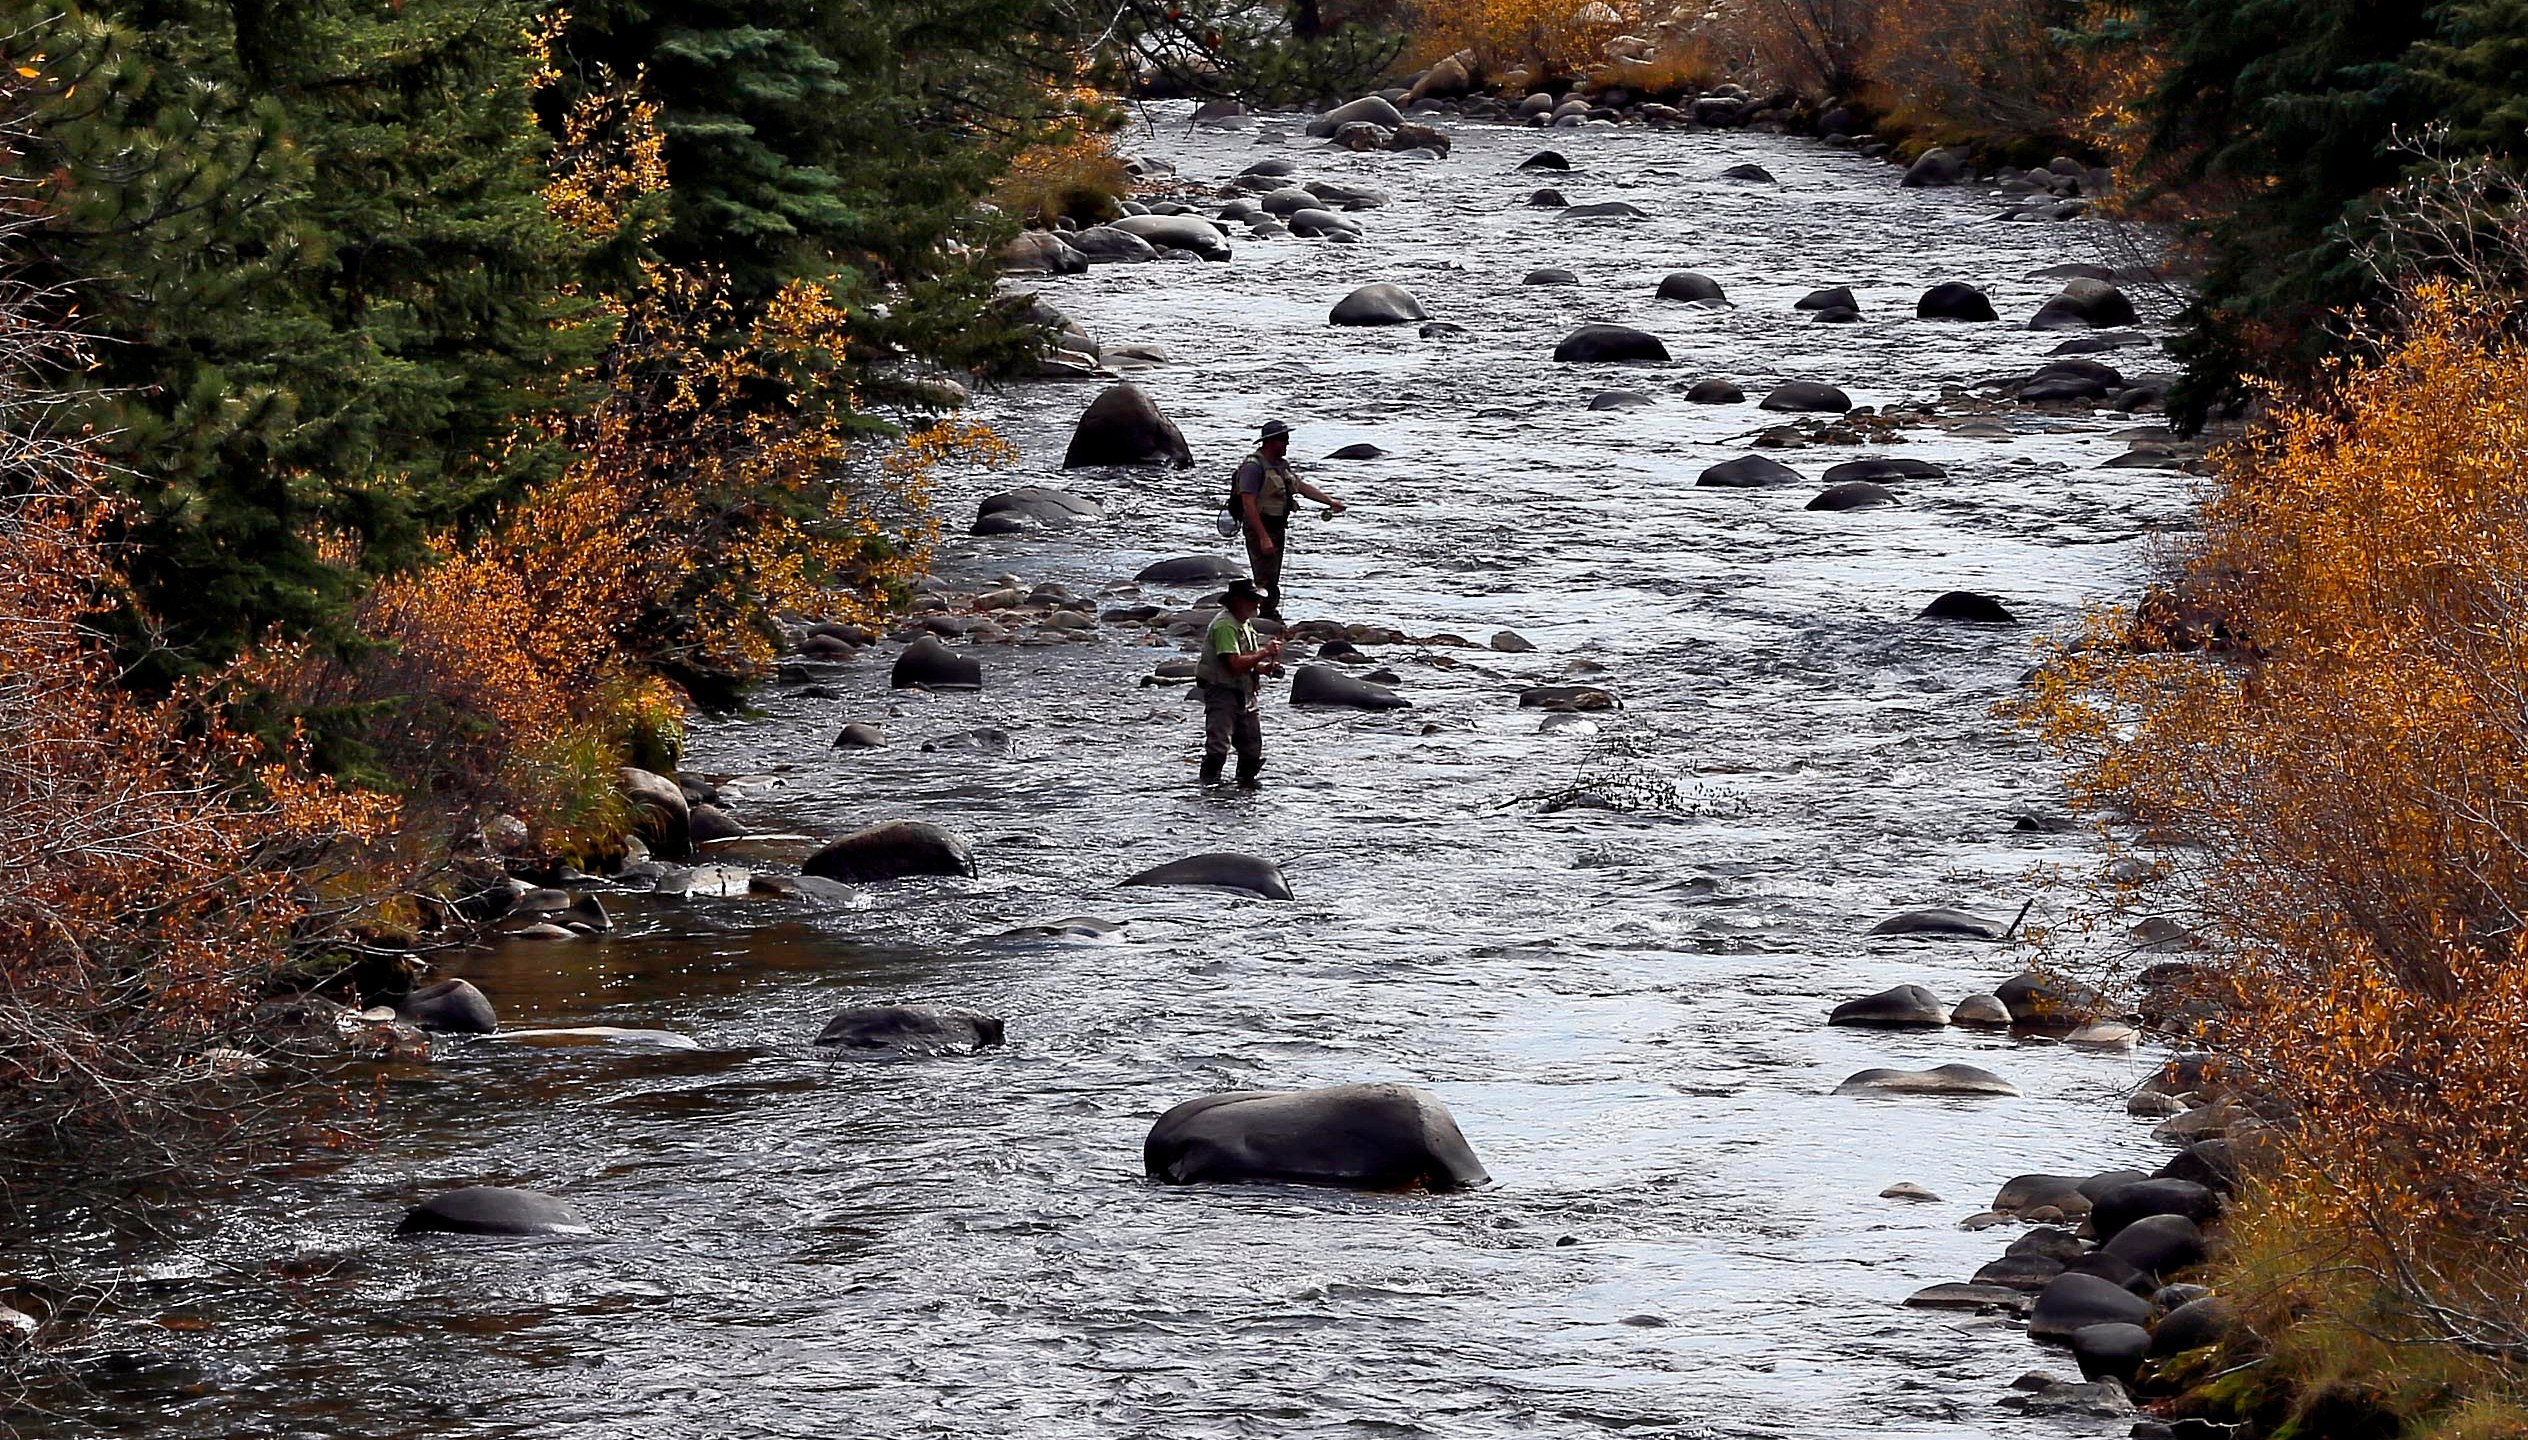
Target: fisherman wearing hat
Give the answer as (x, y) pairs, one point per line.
(1262, 495)
(1231, 675)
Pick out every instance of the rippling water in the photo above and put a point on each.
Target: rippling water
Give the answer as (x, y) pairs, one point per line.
(1624, 1012)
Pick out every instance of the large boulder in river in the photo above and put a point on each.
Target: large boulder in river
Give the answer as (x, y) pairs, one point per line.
(1221, 870)
(1550, 275)
(1106, 245)
(2073, 1301)
(1358, 1137)
(1748, 472)
(1032, 507)
(1123, 426)
(1900, 1007)
(1955, 300)
(1178, 232)
(1691, 286)
(1610, 344)
(927, 664)
(1838, 298)
(452, 1007)
(1806, 397)
(1323, 685)
(892, 851)
(661, 815)
(1545, 160)
(912, 1029)
(1715, 391)
(2085, 305)
(1936, 168)
(1378, 304)
(491, 1210)
(1369, 109)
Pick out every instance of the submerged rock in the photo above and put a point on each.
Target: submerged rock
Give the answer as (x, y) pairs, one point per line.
(912, 1029)
(1938, 1080)
(895, 850)
(492, 1210)
(1941, 920)
(1191, 570)
(1359, 1137)
(1221, 869)
(1968, 606)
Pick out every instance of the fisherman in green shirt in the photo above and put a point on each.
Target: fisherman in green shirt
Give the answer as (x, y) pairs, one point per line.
(1231, 675)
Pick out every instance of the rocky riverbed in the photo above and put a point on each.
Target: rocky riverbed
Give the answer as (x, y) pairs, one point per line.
(1604, 927)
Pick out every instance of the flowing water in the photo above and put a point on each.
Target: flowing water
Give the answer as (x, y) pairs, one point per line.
(1624, 1011)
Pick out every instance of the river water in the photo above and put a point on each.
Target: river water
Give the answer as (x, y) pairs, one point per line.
(1624, 1011)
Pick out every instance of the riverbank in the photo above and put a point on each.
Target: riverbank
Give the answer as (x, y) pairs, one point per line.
(1624, 1010)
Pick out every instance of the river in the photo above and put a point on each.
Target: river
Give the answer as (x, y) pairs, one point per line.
(1624, 1011)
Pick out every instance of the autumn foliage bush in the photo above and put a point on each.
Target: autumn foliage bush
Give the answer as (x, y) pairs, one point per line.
(721, 475)
(159, 868)
(1996, 73)
(1544, 37)
(2344, 790)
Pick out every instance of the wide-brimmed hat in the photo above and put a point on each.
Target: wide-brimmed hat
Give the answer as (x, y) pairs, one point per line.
(1241, 589)
(1274, 430)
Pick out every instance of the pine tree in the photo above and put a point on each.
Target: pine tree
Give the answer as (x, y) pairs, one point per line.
(329, 291)
(846, 144)
(2478, 72)
(2281, 114)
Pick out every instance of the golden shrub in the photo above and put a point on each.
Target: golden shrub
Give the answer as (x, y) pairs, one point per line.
(1994, 72)
(1544, 37)
(2347, 793)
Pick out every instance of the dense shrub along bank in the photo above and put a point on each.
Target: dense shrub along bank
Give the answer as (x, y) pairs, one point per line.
(2339, 782)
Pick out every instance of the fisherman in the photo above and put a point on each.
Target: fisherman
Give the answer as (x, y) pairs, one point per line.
(1231, 676)
(1263, 492)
